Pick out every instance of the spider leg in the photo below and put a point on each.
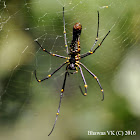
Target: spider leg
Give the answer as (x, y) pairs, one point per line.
(50, 74)
(76, 71)
(101, 42)
(95, 78)
(65, 39)
(61, 95)
(97, 34)
(91, 52)
(85, 84)
(50, 52)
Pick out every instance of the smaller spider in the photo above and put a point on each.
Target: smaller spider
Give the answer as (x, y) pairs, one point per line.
(73, 62)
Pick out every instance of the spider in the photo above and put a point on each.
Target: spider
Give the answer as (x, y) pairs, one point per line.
(73, 62)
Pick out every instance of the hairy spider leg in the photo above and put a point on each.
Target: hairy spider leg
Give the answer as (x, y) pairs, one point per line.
(50, 74)
(65, 38)
(95, 78)
(97, 34)
(50, 52)
(61, 95)
(85, 84)
(91, 52)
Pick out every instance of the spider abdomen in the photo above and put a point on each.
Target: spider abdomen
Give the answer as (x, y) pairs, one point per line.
(75, 43)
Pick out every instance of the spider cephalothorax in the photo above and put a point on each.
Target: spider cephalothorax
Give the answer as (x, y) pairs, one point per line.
(73, 58)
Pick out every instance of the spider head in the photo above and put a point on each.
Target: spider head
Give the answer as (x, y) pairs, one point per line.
(72, 66)
(77, 28)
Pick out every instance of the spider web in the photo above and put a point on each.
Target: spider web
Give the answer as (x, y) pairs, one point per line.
(23, 99)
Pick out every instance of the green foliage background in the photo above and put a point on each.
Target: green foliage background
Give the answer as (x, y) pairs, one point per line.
(27, 108)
